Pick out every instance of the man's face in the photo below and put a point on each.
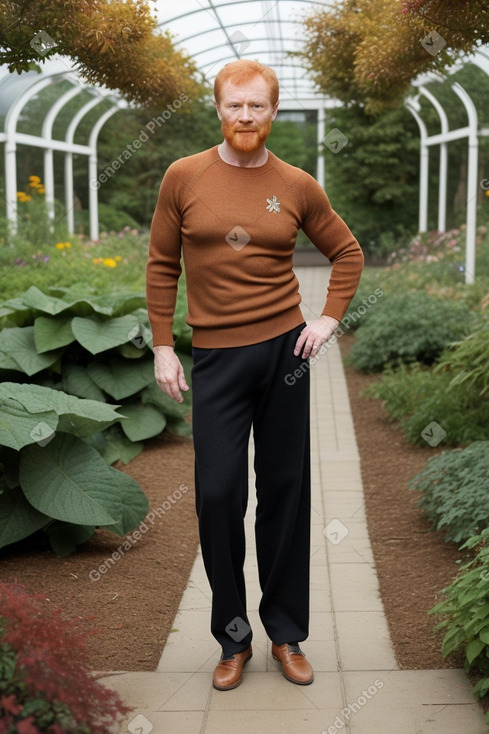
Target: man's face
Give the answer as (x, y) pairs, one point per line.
(246, 114)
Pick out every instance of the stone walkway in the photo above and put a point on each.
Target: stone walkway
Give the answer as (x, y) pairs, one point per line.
(358, 687)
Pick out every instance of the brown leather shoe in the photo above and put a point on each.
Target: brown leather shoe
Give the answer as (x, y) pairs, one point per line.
(294, 664)
(227, 674)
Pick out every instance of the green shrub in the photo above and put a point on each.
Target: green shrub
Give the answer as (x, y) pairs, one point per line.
(64, 358)
(110, 220)
(115, 263)
(454, 491)
(408, 327)
(416, 396)
(465, 609)
(452, 393)
(468, 361)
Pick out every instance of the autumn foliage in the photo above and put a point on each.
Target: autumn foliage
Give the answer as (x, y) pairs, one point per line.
(44, 684)
(369, 51)
(112, 43)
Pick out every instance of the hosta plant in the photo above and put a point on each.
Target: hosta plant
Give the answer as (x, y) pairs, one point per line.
(78, 394)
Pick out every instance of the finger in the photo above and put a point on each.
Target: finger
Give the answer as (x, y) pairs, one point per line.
(182, 382)
(300, 342)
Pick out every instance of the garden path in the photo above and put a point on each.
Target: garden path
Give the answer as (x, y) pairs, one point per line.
(358, 687)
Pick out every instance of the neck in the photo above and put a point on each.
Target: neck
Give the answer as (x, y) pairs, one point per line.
(242, 158)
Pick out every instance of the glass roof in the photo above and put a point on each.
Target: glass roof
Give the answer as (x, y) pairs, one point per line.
(215, 32)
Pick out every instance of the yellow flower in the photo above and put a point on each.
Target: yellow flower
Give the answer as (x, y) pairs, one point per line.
(110, 262)
(118, 258)
(41, 190)
(67, 244)
(35, 179)
(60, 245)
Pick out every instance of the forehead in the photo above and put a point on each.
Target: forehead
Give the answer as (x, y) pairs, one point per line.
(255, 88)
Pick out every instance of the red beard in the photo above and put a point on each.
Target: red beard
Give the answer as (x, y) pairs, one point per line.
(246, 142)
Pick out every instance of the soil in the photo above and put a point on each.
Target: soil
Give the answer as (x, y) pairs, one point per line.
(132, 602)
(414, 563)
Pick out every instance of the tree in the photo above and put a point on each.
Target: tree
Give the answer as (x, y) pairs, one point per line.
(369, 51)
(112, 43)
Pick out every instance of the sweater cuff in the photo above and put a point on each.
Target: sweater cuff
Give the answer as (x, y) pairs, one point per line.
(335, 307)
(162, 335)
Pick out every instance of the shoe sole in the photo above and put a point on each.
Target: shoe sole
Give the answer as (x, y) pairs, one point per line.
(234, 685)
(293, 680)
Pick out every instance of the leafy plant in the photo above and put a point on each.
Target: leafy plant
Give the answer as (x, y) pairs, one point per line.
(454, 491)
(465, 609)
(45, 683)
(79, 394)
(408, 327)
(416, 395)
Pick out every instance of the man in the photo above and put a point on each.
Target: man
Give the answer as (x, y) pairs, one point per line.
(234, 211)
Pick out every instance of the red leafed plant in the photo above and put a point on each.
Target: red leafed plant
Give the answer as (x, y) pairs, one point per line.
(45, 684)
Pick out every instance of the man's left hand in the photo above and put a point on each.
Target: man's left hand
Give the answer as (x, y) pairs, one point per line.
(314, 335)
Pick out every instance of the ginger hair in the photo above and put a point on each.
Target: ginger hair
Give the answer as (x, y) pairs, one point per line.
(241, 72)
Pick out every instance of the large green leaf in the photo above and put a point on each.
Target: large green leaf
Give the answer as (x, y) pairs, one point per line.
(69, 480)
(77, 416)
(114, 446)
(18, 427)
(154, 396)
(79, 304)
(52, 333)
(64, 537)
(143, 421)
(77, 381)
(8, 364)
(178, 426)
(39, 301)
(128, 302)
(135, 504)
(98, 336)
(19, 343)
(18, 518)
(122, 379)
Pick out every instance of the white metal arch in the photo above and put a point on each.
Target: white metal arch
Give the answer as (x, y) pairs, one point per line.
(470, 131)
(28, 86)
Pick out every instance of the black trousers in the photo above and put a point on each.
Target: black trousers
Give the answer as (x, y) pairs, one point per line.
(234, 389)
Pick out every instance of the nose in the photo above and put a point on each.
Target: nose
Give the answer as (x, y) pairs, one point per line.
(245, 115)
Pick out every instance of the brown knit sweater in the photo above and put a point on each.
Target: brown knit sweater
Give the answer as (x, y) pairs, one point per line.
(236, 228)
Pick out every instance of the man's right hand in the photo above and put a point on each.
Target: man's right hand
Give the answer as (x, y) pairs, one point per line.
(169, 373)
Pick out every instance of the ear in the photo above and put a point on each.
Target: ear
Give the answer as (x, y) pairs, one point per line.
(275, 110)
(217, 110)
